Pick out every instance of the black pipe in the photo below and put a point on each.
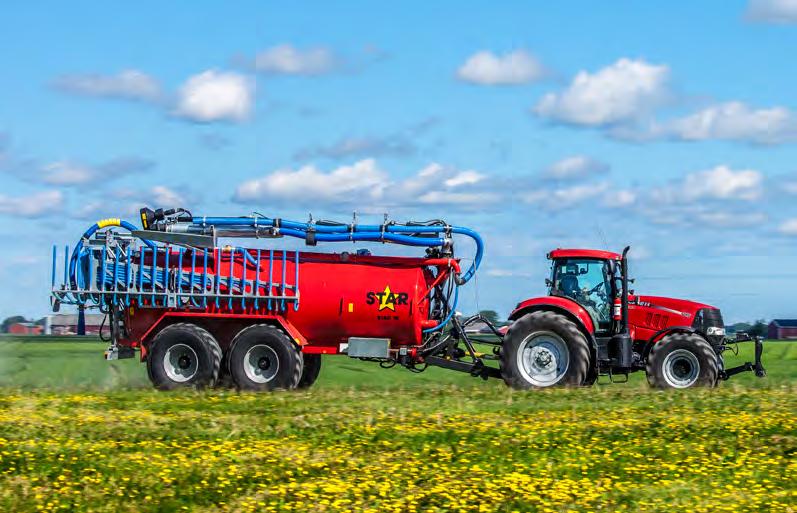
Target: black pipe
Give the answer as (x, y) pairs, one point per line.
(624, 299)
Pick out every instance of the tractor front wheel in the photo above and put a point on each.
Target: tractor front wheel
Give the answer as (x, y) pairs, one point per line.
(682, 360)
(544, 349)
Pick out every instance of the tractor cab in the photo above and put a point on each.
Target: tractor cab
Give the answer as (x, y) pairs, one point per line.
(592, 279)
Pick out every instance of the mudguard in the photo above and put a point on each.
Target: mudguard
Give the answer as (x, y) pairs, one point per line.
(564, 305)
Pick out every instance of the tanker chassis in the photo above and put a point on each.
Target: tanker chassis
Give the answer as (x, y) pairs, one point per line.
(201, 314)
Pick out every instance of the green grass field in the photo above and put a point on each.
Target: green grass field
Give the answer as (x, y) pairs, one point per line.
(81, 434)
(69, 363)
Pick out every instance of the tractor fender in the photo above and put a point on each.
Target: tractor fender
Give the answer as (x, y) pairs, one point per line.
(564, 306)
(215, 321)
(663, 333)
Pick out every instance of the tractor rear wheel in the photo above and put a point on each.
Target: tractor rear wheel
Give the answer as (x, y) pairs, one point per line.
(682, 360)
(310, 371)
(262, 357)
(183, 355)
(544, 349)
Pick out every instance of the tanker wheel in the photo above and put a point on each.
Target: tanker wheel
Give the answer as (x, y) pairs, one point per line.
(263, 358)
(544, 349)
(682, 360)
(183, 356)
(310, 371)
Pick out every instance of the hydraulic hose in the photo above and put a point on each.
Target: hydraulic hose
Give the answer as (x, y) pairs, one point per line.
(79, 250)
(447, 318)
(409, 235)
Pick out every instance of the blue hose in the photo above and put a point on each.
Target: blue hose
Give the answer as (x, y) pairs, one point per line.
(357, 233)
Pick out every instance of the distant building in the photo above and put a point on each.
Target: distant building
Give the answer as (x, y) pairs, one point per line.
(25, 328)
(782, 328)
(66, 324)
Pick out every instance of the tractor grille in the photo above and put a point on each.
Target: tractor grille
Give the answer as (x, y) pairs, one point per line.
(709, 318)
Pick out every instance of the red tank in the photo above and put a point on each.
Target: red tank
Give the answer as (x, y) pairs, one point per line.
(320, 299)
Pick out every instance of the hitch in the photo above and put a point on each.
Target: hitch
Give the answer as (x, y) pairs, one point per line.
(754, 366)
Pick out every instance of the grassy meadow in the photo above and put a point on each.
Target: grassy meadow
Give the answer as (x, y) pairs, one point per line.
(81, 434)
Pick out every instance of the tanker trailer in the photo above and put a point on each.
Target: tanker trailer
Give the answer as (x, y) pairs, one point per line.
(199, 313)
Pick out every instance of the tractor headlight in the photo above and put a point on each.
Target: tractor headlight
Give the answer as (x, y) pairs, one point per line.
(715, 331)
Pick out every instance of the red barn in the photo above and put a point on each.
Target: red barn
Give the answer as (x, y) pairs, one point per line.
(782, 328)
(24, 328)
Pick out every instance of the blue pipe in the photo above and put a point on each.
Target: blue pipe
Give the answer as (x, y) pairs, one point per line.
(358, 233)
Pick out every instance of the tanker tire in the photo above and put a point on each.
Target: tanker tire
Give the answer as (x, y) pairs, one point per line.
(311, 370)
(670, 362)
(545, 323)
(198, 347)
(264, 358)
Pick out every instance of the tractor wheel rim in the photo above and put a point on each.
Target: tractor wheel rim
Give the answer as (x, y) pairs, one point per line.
(681, 368)
(180, 363)
(543, 359)
(261, 364)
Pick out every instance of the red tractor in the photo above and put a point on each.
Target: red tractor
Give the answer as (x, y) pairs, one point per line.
(591, 324)
(200, 313)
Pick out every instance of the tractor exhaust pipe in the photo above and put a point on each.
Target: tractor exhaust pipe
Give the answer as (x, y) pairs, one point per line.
(621, 346)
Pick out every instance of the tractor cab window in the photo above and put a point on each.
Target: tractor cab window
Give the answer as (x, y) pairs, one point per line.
(588, 282)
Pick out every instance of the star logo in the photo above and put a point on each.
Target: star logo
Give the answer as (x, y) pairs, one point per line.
(387, 299)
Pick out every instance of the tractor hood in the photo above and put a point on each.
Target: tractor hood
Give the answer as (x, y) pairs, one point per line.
(648, 315)
(679, 307)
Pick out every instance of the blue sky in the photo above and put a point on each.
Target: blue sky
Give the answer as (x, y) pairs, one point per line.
(669, 126)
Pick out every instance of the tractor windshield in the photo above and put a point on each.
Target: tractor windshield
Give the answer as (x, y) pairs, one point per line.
(588, 282)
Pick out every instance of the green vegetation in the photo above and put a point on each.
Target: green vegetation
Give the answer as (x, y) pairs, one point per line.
(73, 362)
(78, 434)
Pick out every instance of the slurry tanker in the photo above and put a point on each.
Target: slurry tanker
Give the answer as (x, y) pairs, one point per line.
(200, 313)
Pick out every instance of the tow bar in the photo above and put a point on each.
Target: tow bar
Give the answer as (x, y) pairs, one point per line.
(755, 366)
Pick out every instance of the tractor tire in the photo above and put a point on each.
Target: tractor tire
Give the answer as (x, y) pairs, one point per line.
(263, 358)
(183, 355)
(310, 371)
(544, 349)
(682, 360)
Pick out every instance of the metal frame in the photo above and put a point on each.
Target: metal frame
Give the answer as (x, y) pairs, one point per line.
(118, 273)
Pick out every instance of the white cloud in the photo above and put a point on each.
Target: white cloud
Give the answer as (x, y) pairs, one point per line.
(126, 203)
(394, 145)
(620, 198)
(128, 85)
(736, 121)
(362, 180)
(728, 219)
(773, 11)
(289, 60)
(723, 182)
(487, 68)
(464, 178)
(788, 227)
(561, 198)
(625, 91)
(365, 184)
(70, 173)
(37, 204)
(575, 167)
(216, 96)
(719, 183)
